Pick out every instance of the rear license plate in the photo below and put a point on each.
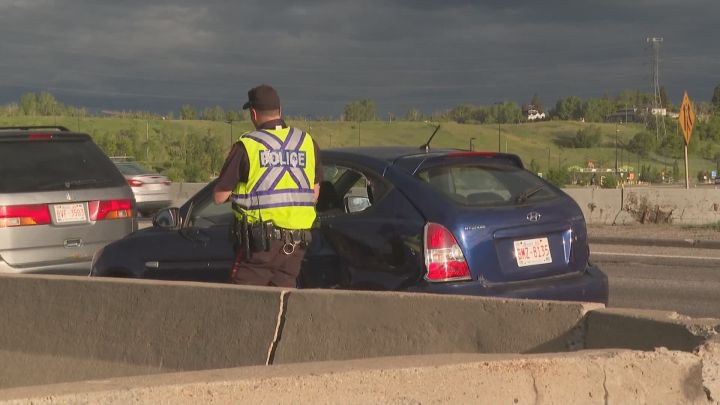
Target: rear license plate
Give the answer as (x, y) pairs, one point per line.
(155, 187)
(68, 213)
(530, 252)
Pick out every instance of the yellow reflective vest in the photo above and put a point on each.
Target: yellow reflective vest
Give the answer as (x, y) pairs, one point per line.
(280, 186)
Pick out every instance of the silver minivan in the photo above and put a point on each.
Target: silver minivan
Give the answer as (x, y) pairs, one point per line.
(61, 199)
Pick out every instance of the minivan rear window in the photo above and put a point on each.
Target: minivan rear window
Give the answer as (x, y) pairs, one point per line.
(131, 168)
(487, 185)
(29, 166)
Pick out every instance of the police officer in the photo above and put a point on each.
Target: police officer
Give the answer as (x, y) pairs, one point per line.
(271, 176)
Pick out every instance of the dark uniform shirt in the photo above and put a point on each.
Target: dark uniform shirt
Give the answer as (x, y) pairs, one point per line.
(237, 165)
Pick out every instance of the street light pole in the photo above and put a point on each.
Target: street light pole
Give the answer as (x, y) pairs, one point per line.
(616, 148)
(498, 104)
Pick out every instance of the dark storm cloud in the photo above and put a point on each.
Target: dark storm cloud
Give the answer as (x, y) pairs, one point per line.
(322, 54)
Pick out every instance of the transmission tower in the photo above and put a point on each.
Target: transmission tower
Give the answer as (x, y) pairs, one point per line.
(655, 43)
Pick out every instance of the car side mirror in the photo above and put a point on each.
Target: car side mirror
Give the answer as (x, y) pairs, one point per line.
(356, 204)
(168, 218)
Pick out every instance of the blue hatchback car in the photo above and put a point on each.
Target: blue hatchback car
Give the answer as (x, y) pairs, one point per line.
(401, 219)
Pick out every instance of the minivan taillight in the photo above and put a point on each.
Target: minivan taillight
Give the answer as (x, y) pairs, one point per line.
(110, 209)
(24, 215)
(444, 260)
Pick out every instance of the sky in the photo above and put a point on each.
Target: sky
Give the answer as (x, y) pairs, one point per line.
(429, 55)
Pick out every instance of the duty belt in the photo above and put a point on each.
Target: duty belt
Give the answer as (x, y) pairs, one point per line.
(291, 237)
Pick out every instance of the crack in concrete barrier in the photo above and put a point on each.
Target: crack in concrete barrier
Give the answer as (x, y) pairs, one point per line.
(607, 394)
(278, 328)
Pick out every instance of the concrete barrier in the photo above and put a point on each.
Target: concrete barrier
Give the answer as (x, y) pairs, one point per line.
(58, 328)
(335, 325)
(633, 205)
(660, 377)
(62, 329)
(647, 329)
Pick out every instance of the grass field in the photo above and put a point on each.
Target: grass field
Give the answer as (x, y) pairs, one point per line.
(531, 141)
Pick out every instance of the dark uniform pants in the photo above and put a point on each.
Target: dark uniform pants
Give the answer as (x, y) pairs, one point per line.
(268, 268)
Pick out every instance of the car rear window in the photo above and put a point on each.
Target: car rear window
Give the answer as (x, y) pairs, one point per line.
(30, 166)
(487, 185)
(131, 168)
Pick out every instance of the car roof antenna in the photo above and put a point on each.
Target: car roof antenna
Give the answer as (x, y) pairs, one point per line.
(426, 145)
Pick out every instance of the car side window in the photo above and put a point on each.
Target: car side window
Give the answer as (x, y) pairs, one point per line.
(207, 214)
(346, 190)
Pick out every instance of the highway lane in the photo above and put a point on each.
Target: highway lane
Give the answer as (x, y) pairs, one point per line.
(684, 280)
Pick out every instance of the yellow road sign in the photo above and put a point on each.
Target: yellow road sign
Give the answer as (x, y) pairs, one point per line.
(686, 118)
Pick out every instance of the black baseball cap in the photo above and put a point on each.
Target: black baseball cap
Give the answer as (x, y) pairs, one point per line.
(263, 98)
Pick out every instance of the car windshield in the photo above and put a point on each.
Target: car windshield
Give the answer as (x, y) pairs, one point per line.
(132, 168)
(487, 185)
(49, 166)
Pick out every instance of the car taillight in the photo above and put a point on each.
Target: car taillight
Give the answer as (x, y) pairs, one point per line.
(444, 260)
(167, 182)
(135, 183)
(24, 215)
(110, 209)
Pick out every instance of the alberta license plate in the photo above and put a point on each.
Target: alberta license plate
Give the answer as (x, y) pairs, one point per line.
(65, 213)
(530, 252)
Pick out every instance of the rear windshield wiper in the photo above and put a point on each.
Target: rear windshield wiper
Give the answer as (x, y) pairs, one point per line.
(522, 197)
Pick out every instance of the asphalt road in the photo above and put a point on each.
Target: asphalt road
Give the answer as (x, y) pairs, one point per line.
(685, 280)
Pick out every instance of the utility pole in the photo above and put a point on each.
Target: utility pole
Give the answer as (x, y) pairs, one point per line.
(147, 141)
(655, 43)
(498, 134)
(231, 132)
(548, 166)
(616, 148)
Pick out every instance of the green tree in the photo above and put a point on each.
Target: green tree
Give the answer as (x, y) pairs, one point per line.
(362, 110)
(537, 103)
(595, 110)
(413, 114)
(676, 170)
(568, 108)
(233, 116)
(716, 99)
(187, 112)
(215, 113)
(28, 104)
(462, 113)
(664, 100)
(587, 137)
(558, 177)
(642, 143)
(609, 181)
(47, 104)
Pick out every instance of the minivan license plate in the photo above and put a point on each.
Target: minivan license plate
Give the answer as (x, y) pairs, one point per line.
(530, 252)
(65, 213)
